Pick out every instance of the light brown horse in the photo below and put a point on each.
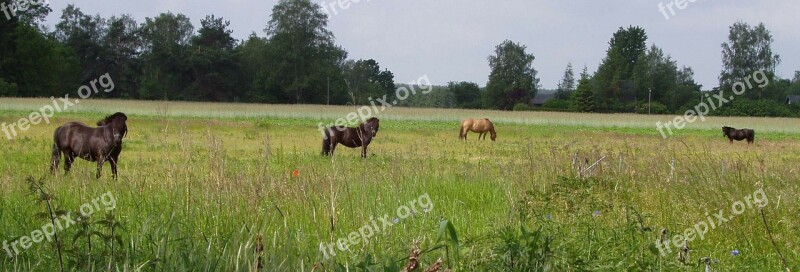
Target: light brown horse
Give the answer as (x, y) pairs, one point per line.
(480, 126)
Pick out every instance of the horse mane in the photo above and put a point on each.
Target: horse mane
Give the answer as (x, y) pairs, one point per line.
(728, 129)
(108, 119)
(370, 120)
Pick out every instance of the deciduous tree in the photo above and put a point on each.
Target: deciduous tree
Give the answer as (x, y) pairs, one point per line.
(512, 72)
(748, 50)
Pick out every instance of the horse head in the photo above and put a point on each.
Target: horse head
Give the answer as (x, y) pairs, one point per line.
(490, 126)
(726, 131)
(371, 126)
(116, 122)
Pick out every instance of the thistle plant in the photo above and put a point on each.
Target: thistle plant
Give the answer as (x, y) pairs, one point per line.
(37, 190)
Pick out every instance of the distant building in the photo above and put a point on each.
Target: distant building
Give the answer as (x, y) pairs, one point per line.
(793, 99)
(541, 98)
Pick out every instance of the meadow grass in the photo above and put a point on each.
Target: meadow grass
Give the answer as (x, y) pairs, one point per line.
(200, 182)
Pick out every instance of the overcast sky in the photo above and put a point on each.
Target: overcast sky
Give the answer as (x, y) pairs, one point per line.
(450, 40)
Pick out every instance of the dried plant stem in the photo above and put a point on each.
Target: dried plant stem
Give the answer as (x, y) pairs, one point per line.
(52, 216)
(772, 239)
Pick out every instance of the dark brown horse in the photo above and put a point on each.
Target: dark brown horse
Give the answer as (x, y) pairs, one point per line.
(360, 136)
(100, 144)
(739, 134)
(481, 126)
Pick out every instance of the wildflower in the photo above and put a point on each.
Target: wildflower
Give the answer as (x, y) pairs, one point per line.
(396, 220)
(596, 213)
(548, 217)
(296, 173)
(735, 252)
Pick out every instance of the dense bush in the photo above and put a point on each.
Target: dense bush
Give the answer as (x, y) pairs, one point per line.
(522, 107)
(7, 89)
(757, 108)
(561, 104)
(655, 108)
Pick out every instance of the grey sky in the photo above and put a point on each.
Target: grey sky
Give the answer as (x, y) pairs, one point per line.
(450, 40)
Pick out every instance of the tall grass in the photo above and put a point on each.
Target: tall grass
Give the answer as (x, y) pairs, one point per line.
(199, 183)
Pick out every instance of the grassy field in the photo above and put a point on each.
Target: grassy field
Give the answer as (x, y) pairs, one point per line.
(226, 187)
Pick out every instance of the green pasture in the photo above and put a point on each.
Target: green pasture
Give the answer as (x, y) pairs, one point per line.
(226, 187)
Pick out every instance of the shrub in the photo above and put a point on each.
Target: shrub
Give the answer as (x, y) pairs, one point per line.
(7, 89)
(556, 104)
(756, 108)
(655, 108)
(522, 107)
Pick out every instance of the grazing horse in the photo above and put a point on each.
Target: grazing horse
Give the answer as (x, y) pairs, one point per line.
(739, 134)
(360, 136)
(480, 126)
(100, 144)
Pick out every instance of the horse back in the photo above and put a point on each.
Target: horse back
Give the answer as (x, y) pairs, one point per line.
(79, 138)
(351, 138)
(484, 125)
(488, 124)
(346, 136)
(467, 123)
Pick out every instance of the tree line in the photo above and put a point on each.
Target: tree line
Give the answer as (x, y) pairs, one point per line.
(636, 78)
(164, 57)
(296, 60)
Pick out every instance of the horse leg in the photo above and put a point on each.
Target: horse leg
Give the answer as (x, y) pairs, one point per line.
(364, 151)
(68, 160)
(326, 145)
(113, 163)
(55, 160)
(332, 148)
(99, 167)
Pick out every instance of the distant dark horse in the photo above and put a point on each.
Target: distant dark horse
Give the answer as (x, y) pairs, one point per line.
(359, 136)
(100, 144)
(739, 134)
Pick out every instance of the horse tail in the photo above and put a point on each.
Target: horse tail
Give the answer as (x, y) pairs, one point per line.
(326, 144)
(56, 153)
